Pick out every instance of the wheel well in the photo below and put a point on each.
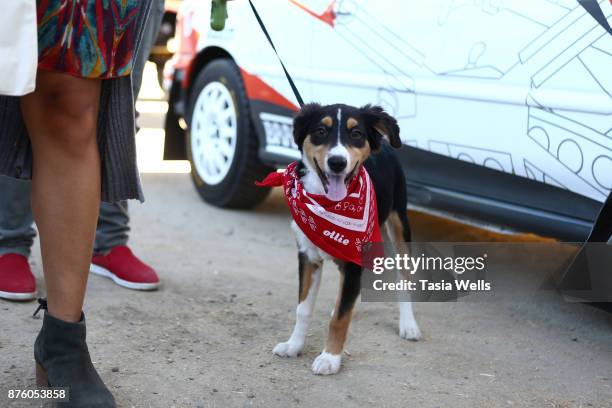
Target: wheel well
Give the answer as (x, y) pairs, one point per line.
(174, 145)
(203, 58)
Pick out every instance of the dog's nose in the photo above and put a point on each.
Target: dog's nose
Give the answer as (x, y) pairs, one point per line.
(336, 163)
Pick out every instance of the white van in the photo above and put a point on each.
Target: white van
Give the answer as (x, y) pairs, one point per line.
(505, 106)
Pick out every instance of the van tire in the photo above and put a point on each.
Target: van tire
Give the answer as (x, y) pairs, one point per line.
(237, 187)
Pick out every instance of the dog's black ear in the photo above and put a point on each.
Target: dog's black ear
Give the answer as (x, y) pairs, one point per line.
(302, 121)
(380, 124)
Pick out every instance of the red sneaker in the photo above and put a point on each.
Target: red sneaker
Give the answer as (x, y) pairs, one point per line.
(16, 279)
(122, 266)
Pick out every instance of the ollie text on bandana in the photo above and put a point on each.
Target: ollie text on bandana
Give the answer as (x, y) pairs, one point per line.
(340, 228)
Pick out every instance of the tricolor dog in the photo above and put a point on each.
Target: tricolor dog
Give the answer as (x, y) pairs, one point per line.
(338, 144)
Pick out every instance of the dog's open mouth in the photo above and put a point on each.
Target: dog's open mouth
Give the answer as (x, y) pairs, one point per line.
(335, 185)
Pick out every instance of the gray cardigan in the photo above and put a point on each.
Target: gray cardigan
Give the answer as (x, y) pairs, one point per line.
(116, 131)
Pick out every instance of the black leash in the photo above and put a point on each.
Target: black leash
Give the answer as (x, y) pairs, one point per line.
(265, 31)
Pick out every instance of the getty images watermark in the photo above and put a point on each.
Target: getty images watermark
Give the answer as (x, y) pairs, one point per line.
(437, 271)
(406, 264)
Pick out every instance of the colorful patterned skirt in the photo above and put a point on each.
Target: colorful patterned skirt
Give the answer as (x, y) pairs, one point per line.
(87, 38)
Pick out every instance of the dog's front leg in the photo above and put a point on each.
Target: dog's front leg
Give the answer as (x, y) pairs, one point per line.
(392, 234)
(328, 362)
(310, 279)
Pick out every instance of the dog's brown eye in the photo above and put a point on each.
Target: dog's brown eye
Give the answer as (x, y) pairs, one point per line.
(320, 132)
(356, 134)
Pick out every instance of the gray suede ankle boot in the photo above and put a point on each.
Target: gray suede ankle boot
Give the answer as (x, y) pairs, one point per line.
(62, 360)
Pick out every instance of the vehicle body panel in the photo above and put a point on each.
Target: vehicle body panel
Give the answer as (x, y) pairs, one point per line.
(521, 87)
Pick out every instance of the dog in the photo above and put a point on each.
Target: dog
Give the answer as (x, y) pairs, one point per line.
(334, 141)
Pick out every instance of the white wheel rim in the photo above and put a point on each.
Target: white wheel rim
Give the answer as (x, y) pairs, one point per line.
(213, 133)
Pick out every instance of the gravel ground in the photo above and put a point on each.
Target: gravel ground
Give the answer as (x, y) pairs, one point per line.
(228, 296)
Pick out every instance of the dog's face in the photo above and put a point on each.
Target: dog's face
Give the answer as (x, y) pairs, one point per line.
(335, 140)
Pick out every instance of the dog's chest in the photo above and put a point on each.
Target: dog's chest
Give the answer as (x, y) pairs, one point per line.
(305, 245)
(312, 184)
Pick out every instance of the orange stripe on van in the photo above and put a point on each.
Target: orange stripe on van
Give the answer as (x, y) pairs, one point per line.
(328, 16)
(257, 89)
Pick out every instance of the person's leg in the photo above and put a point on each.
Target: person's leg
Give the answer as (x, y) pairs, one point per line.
(61, 117)
(17, 282)
(16, 232)
(112, 258)
(113, 223)
(113, 226)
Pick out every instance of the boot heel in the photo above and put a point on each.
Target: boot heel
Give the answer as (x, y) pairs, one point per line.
(41, 376)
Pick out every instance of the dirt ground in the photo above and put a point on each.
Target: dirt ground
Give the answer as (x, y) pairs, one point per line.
(228, 296)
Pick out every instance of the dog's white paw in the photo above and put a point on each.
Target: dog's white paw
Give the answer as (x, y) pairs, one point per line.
(326, 363)
(409, 330)
(287, 349)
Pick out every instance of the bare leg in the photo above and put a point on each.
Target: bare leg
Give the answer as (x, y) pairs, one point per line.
(61, 117)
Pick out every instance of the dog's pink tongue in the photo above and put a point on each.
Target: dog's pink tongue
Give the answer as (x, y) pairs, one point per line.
(336, 190)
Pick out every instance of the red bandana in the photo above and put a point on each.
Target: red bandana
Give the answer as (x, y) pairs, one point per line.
(339, 228)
